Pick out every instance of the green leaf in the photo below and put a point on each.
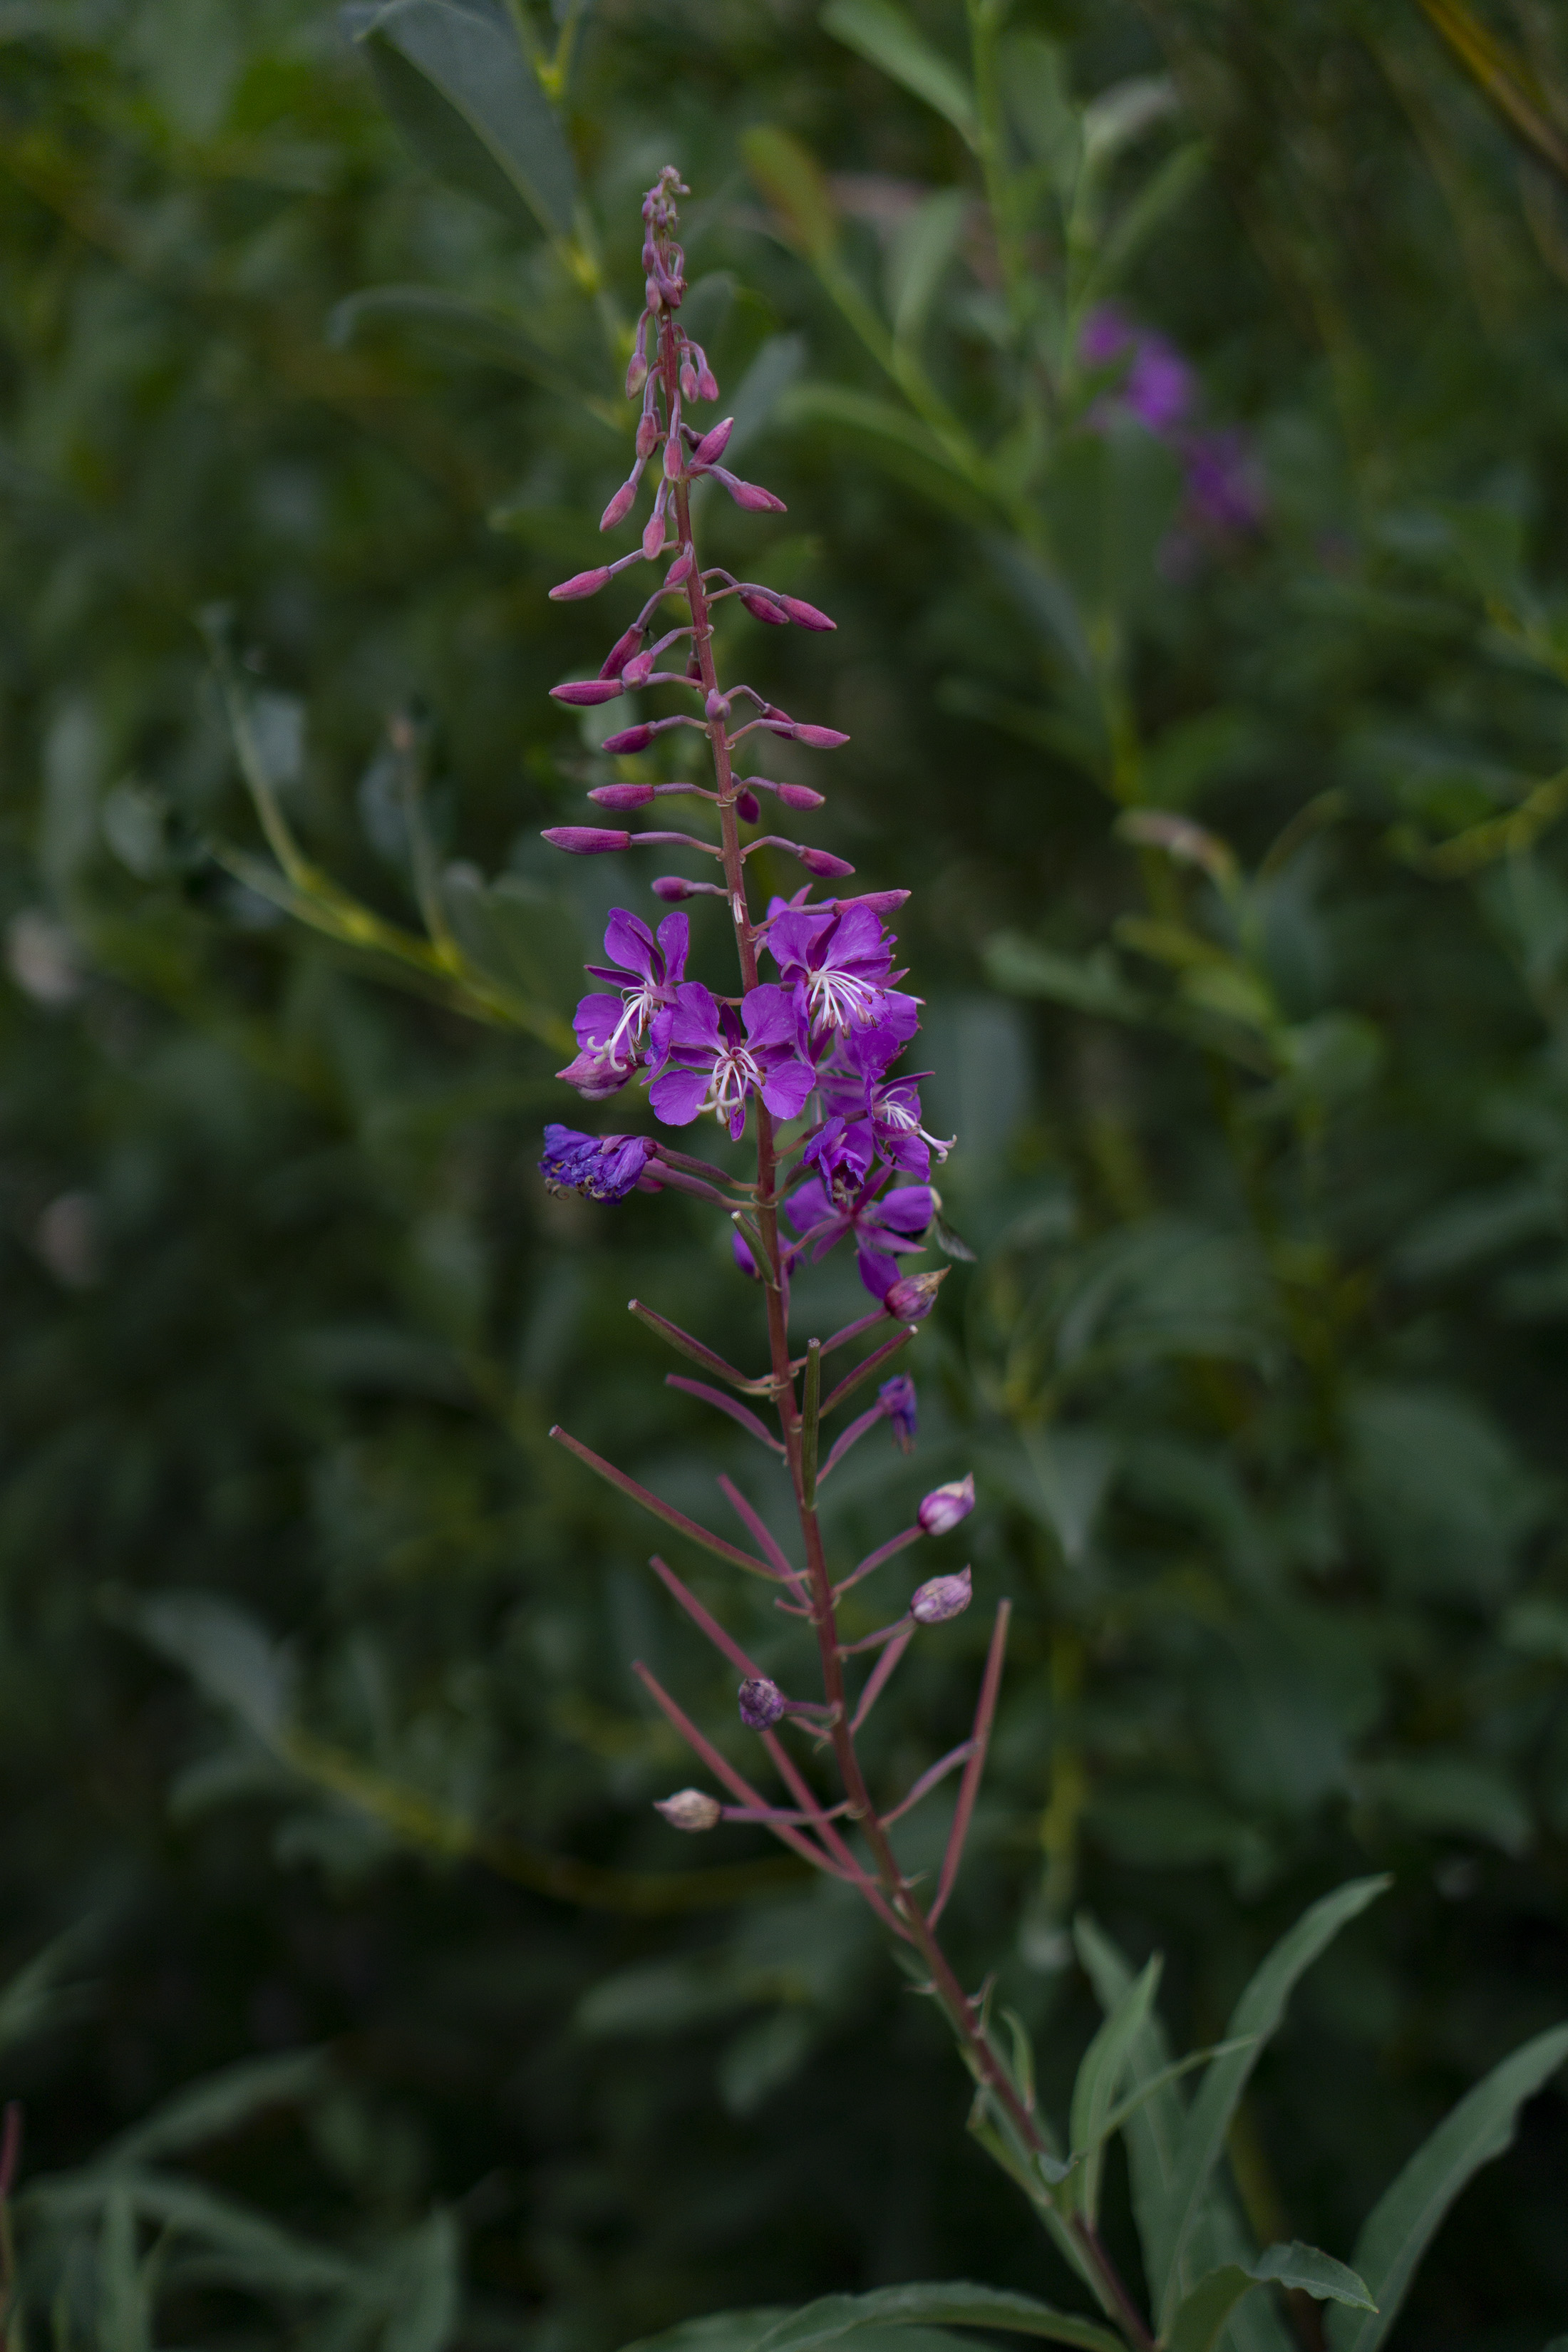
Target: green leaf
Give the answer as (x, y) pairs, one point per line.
(455, 78)
(1401, 2225)
(468, 330)
(883, 34)
(218, 2103)
(1092, 983)
(424, 2290)
(952, 2304)
(227, 1652)
(1256, 2015)
(124, 2315)
(899, 442)
(1201, 2320)
(33, 2000)
(789, 176)
(1099, 2077)
(922, 253)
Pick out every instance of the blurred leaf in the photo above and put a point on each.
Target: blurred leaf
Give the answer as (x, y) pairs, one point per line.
(1457, 1794)
(883, 34)
(922, 254)
(790, 178)
(955, 2304)
(226, 1652)
(1201, 2319)
(220, 2103)
(425, 2289)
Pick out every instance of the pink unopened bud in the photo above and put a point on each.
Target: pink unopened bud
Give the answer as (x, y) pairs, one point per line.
(945, 1507)
(636, 374)
(620, 506)
(582, 584)
(680, 570)
(690, 1809)
(944, 1597)
(630, 738)
(763, 606)
(805, 615)
(822, 863)
(648, 433)
(760, 1702)
(820, 739)
(621, 652)
(688, 376)
(748, 808)
(638, 669)
(912, 1296)
(707, 383)
(751, 496)
(622, 796)
(587, 690)
(711, 447)
(673, 887)
(715, 705)
(798, 796)
(585, 840)
(673, 461)
(653, 534)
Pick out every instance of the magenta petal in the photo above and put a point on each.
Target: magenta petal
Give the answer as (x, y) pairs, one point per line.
(629, 943)
(677, 1097)
(908, 1209)
(769, 1014)
(696, 1023)
(877, 1273)
(595, 1019)
(675, 941)
(787, 1089)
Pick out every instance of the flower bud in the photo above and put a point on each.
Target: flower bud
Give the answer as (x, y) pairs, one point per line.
(680, 570)
(688, 377)
(690, 1809)
(714, 704)
(587, 690)
(760, 1702)
(653, 534)
(707, 383)
(764, 606)
(748, 808)
(636, 374)
(944, 1597)
(820, 739)
(711, 447)
(622, 796)
(621, 652)
(638, 669)
(912, 1296)
(805, 615)
(585, 840)
(630, 738)
(620, 506)
(648, 433)
(798, 796)
(945, 1507)
(822, 862)
(749, 495)
(582, 584)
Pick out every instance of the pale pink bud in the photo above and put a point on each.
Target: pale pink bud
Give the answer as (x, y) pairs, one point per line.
(672, 459)
(688, 376)
(639, 668)
(711, 447)
(673, 887)
(622, 796)
(798, 796)
(629, 739)
(585, 840)
(648, 433)
(582, 584)
(653, 534)
(707, 383)
(620, 506)
(820, 739)
(912, 1296)
(621, 652)
(763, 606)
(805, 615)
(690, 1809)
(944, 1597)
(714, 704)
(750, 494)
(636, 374)
(942, 1510)
(680, 570)
(587, 690)
(822, 862)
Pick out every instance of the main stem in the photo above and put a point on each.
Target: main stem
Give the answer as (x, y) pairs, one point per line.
(963, 2015)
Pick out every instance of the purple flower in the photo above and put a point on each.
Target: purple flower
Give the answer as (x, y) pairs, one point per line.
(881, 1228)
(611, 1030)
(840, 962)
(599, 1167)
(760, 1702)
(897, 1399)
(857, 1090)
(1224, 487)
(716, 1057)
(1157, 387)
(941, 1597)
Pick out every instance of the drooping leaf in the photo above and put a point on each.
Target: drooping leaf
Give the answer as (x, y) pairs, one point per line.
(1201, 2316)
(1256, 2015)
(1400, 2227)
(455, 78)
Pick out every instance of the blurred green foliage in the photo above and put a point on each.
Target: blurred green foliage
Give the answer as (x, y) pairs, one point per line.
(1243, 922)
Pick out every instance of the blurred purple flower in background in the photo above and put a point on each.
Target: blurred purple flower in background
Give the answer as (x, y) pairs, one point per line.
(1226, 494)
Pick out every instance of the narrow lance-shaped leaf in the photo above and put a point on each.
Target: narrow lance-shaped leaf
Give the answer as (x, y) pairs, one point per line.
(1099, 2076)
(885, 37)
(1200, 2322)
(954, 2305)
(1400, 2227)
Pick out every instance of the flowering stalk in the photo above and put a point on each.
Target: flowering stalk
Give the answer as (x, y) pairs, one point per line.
(807, 1059)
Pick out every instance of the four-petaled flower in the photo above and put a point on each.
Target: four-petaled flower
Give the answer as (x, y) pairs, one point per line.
(857, 1091)
(612, 1031)
(600, 1167)
(880, 1228)
(841, 962)
(718, 1056)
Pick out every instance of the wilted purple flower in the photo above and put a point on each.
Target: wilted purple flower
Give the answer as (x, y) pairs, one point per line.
(761, 1702)
(690, 1809)
(717, 1057)
(945, 1507)
(599, 1167)
(897, 1399)
(880, 1227)
(941, 1597)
